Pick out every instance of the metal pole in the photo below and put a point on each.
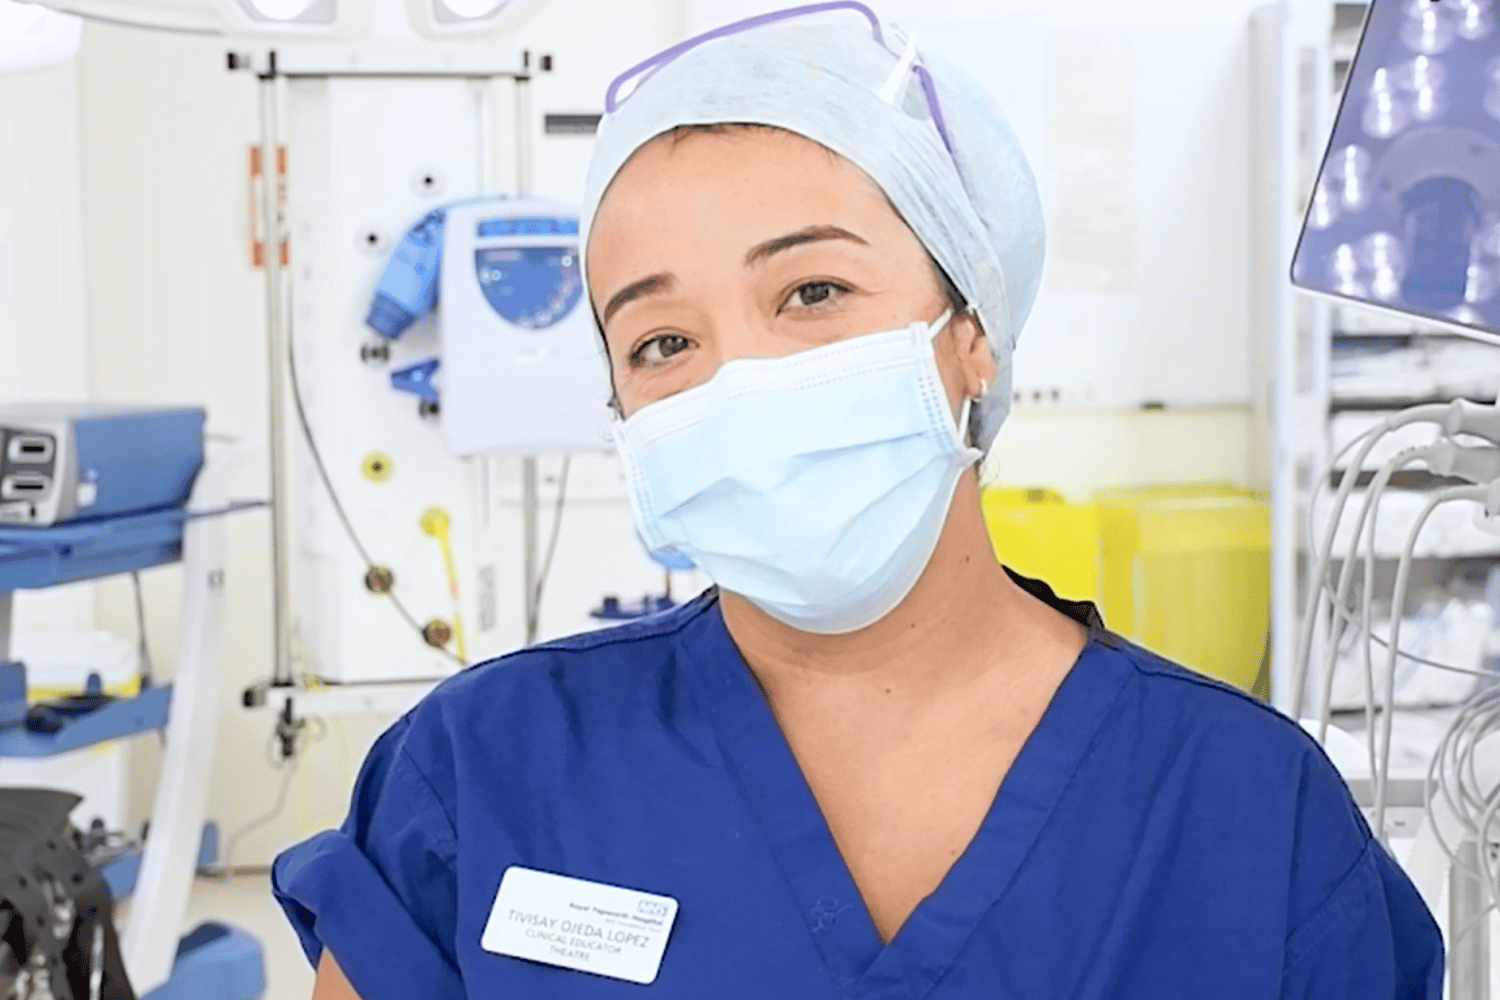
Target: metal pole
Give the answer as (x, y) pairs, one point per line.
(530, 502)
(276, 334)
(6, 606)
(1468, 927)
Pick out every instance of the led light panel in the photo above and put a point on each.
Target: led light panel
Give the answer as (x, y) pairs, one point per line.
(475, 19)
(291, 11)
(451, 11)
(1406, 211)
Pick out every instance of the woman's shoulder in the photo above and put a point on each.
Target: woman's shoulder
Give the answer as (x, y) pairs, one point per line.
(1232, 762)
(1192, 702)
(538, 699)
(596, 658)
(1237, 751)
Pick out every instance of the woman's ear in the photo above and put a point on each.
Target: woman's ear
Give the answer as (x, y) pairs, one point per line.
(974, 354)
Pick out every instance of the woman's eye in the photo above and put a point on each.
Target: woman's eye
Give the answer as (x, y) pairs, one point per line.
(814, 294)
(658, 349)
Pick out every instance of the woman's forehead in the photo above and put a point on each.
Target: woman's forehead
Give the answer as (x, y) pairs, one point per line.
(732, 183)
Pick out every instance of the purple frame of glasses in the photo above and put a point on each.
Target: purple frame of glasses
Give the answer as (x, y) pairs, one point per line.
(644, 69)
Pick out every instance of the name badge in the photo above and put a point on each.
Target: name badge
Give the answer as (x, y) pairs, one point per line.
(573, 924)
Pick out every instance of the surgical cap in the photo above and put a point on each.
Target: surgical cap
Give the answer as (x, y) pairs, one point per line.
(975, 209)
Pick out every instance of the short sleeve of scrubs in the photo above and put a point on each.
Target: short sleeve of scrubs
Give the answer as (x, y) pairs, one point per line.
(379, 892)
(1371, 938)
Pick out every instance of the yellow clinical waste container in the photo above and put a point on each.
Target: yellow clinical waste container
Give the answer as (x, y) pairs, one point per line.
(1186, 572)
(1038, 533)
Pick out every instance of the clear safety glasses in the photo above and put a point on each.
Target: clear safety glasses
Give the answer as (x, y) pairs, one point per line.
(907, 60)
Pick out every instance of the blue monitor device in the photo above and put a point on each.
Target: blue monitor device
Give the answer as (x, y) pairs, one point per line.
(80, 462)
(1405, 215)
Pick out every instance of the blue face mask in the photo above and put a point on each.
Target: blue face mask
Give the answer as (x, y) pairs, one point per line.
(814, 485)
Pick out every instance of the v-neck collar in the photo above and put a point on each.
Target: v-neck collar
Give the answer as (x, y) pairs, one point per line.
(761, 762)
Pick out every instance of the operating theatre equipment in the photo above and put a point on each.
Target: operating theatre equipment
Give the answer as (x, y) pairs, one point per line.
(1405, 214)
(521, 367)
(190, 530)
(408, 286)
(57, 932)
(377, 348)
(80, 462)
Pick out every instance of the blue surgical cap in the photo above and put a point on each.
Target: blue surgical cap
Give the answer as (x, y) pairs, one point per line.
(974, 206)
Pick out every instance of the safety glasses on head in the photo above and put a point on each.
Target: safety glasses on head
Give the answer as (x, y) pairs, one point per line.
(908, 60)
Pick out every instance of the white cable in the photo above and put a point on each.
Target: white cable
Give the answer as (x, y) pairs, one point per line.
(1346, 576)
(1461, 416)
(1478, 465)
(1407, 654)
(1452, 776)
(1432, 412)
(1480, 494)
(1319, 569)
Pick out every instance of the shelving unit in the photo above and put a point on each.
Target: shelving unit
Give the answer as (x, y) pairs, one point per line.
(1346, 368)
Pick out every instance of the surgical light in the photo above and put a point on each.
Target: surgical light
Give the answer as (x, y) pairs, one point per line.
(1476, 19)
(20, 16)
(467, 10)
(1324, 208)
(1481, 285)
(1345, 271)
(1428, 28)
(469, 18)
(33, 37)
(1386, 113)
(1381, 256)
(279, 10)
(291, 11)
(1349, 169)
(1405, 213)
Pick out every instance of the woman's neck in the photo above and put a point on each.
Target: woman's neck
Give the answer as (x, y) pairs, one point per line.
(964, 616)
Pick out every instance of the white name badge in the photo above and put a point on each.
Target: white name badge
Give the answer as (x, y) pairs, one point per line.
(587, 926)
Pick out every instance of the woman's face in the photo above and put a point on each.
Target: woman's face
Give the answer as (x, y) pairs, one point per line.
(755, 242)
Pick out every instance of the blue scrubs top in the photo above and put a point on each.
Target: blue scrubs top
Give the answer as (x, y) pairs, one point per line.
(1160, 835)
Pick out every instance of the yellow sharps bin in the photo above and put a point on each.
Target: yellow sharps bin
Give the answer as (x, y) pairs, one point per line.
(1038, 533)
(1186, 572)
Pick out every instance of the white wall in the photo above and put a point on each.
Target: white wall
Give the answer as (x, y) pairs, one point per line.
(1078, 451)
(42, 308)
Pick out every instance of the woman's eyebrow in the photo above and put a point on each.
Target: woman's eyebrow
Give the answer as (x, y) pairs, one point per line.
(812, 234)
(653, 285)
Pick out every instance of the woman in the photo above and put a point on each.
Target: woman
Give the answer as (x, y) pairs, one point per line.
(870, 762)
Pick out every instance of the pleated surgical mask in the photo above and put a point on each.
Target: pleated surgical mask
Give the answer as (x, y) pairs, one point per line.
(814, 485)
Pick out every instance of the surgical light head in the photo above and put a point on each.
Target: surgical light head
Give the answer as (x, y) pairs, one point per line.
(1406, 210)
